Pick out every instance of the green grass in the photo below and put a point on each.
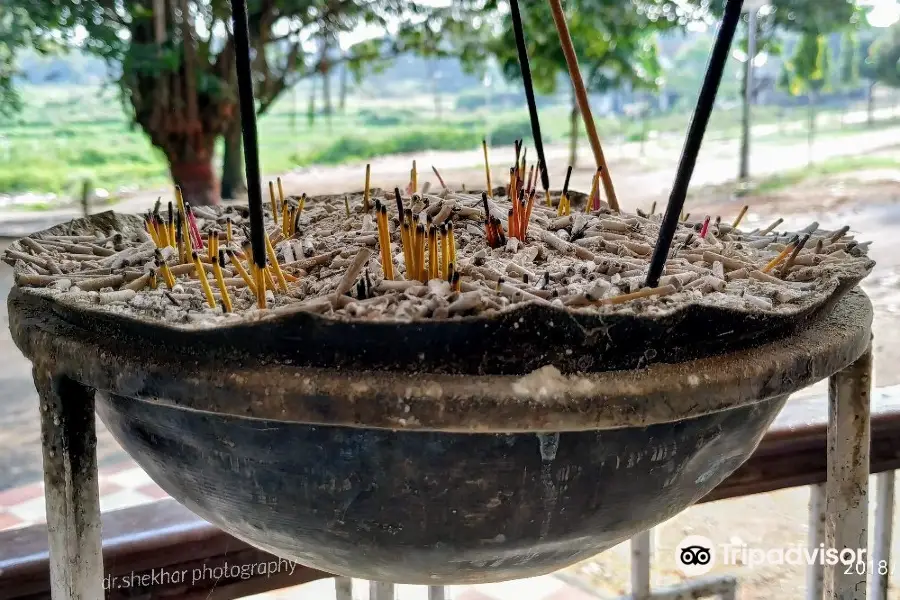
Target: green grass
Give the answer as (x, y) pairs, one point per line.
(68, 134)
(826, 168)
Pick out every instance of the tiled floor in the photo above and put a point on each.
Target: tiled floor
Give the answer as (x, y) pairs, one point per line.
(128, 485)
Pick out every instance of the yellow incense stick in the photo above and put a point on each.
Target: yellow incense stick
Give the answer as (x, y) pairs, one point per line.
(429, 239)
(273, 258)
(366, 190)
(777, 260)
(452, 241)
(740, 217)
(414, 178)
(151, 229)
(242, 272)
(260, 279)
(167, 274)
(229, 231)
(270, 280)
(487, 169)
(211, 243)
(162, 234)
(285, 225)
(420, 253)
(405, 240)
(274, 205)
(220, 280)
(384, 239)
(445, 252)
(280, 191)
(201, 275)
(595, 181)
(164, 268)
(152, 281)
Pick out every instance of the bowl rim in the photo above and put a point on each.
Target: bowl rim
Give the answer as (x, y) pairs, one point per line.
(541, 401)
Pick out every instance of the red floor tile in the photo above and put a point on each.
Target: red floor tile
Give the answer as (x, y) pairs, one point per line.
(7, 520)
(21, 494)
(154, 491)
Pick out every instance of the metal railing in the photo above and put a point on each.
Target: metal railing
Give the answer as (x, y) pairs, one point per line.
(724, 587)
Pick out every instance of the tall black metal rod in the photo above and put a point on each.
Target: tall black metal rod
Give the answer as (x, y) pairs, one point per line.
(248, 127)
(525, 67)
(699, 121)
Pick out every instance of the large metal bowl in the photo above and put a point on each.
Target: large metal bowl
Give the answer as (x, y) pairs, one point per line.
(432, 478)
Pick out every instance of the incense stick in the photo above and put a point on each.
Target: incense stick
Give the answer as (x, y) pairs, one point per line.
(487, 168)
(366, 190)
(694, 139)
(565, 40)
(248, 127)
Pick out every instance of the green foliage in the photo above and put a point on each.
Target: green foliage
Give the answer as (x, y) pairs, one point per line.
(885, 56)
(357, 147)
(615, 42)
(510, 131)
(807, 71)
(849, 67)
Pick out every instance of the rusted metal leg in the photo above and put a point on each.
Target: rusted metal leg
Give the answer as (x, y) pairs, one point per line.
(436, 592)
(848, 478)
(884, 522)
(641, 552)
(71, 491)
(343, 588)
(815, 583)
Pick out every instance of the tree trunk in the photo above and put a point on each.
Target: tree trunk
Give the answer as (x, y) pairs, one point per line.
(744, 164)
(870, 105)
(811, 125)
(574, 124)
(311, 107)
(342, 98)
(197, 180)
(233, 182)
(326, 96)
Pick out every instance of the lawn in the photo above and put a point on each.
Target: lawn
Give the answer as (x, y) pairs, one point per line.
(69, 134)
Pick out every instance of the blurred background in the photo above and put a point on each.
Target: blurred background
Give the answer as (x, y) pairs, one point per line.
(107, 103)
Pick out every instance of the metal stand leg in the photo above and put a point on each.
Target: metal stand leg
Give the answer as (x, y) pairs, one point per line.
(437, 592)
(378, 590)
(815, 537)
(641, 551)
(884, 522)
(848, 477)
(343, 588)
(71, 492)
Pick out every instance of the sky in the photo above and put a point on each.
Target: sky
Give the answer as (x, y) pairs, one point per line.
(884, 12)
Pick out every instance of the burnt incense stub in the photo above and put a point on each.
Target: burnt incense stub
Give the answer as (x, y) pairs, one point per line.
(536, 283)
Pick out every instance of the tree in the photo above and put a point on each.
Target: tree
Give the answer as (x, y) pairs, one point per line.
(885, 54)
(615, 43)
(807, 74)
(848, 71)
(178, 69)
(868, 72)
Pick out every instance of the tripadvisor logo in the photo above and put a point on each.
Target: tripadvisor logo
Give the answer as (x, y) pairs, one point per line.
(695, 555)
